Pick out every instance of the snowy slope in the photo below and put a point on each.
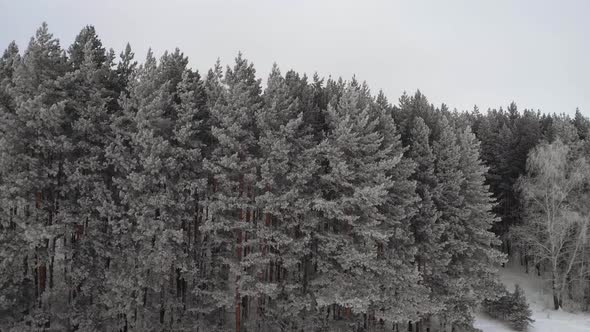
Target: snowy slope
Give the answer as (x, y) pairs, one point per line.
(539, 297)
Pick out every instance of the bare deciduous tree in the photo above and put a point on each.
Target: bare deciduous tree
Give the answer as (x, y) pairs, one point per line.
(556, 223)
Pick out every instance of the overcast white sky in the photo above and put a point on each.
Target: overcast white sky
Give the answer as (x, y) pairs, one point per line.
(462, 53)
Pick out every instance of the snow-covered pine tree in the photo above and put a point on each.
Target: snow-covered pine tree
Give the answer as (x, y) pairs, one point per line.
(214, 88)
(8, 62)
(503, 150)
(163, 150)
(411, 107)
(212, 277)
(426, 230)
(119, 301)
(231, 221)
(150, 221)
(400, 208)
(564, 129)
(498, 307)
(582, 125)
(446, 281)
(126, 68)
(190, 136)
(314, 114)
(520, 313)
(465, 205)
(363, 207)
(425, 224)
(126, 276)
(85, 210)
(77, 53)
(34, 147)
(309, 102)
(286, 171)
(287, 167)
(12, 245)
(479, 257)
(511, 307)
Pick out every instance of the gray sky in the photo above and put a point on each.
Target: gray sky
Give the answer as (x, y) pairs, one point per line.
(461, 53)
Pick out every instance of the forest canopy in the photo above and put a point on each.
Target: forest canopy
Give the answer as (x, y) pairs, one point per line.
(146, 196)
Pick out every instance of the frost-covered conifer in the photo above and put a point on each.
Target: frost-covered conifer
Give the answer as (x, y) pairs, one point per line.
(231, 222)
(286, 169)
(34, 146)
(363, 206)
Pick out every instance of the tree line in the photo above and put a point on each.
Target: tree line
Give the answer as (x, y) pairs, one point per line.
(146, 197)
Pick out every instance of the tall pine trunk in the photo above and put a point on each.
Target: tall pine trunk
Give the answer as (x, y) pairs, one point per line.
(238, 298)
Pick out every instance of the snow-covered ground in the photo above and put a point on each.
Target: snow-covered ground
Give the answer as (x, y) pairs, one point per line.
(538, 295)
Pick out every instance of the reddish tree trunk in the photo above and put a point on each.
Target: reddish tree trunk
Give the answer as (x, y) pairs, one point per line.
(38, 200)
(42, 273)
(79, 231)
(51, 268)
